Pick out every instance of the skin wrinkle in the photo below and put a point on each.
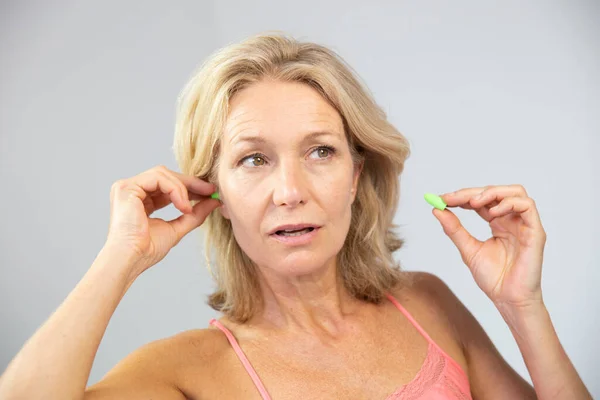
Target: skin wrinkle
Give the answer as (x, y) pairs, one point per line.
(300, 284)
(310, 330)
(258, 139)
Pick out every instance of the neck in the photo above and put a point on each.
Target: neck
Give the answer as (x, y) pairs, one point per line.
(315, 303)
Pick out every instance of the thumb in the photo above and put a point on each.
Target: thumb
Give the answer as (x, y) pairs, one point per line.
(467, 245)
(185, 223)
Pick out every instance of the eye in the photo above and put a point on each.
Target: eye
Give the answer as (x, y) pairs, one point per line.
(256, 159)
(323, 152)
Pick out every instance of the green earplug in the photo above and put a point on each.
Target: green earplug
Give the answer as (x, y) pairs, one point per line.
(435, 201)
(215, 195)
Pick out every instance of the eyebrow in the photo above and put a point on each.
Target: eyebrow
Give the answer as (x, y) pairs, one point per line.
(260, 139)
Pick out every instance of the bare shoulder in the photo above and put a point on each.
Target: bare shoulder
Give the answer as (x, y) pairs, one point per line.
(426, 285)
(488, 371)
(434, 298)
(430, 291)
(436, 308)
(159, 369)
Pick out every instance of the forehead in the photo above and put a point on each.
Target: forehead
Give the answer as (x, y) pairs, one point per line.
(281, 108)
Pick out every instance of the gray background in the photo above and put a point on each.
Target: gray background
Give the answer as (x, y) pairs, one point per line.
(487, 92)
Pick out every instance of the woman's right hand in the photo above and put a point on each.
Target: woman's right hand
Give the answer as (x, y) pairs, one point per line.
(148, 240)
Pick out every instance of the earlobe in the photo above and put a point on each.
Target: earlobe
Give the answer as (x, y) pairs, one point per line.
(223, 211)
(357, 172)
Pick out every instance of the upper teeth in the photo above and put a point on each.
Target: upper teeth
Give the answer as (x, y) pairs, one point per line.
(295, 230)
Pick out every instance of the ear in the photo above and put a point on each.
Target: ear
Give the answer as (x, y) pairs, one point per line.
(357, 171)
(223, 210)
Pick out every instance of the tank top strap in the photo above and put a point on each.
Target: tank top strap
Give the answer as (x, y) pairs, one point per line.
(411, 319)
(244, 360)
(424, 333)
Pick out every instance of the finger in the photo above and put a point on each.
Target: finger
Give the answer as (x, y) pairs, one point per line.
(187, 222)
(185, 206)
(490, 196)
(464, 196)
(482, 211)
(497, 194)
(467, 245)
(461, 197)
(156, 202)
(195, 196)
(524, 206)
(192, 188)
(181, 201)
(191, 183)
(194, 184)
(156, 184)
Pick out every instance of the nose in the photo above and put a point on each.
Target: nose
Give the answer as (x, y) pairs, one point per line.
(290, 185)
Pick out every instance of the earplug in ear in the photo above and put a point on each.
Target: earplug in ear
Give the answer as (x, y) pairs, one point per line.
(215, 195)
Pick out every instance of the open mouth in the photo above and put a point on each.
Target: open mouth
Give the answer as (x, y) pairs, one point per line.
(292, 233)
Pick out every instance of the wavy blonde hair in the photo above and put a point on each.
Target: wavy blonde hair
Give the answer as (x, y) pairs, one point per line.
(365, 262)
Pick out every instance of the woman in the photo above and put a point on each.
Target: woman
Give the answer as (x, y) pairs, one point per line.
(314, 307)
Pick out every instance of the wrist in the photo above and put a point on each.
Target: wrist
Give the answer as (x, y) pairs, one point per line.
(523, 316)
(124, 263)
(530, 305)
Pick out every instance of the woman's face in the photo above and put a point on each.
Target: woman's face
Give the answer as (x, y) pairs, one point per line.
(285, 160)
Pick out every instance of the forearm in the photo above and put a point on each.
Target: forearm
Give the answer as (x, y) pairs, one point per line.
(56, 361)
(552, 373)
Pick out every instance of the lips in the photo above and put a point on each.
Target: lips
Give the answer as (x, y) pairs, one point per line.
(292, 227)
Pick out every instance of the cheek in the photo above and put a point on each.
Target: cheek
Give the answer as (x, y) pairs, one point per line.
(335, 190)
(336, 203)
(242, 213)
(246, 186)
(245, 225)
(243, 207)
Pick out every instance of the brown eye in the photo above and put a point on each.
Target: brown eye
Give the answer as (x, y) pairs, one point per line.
(258, 161)
(253, 160)
(323, 152)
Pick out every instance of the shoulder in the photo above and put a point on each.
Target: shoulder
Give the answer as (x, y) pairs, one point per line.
(438, 311)
(164, 366)
(201, 361)
(425, 284)
(434, 305)
(430, 291)
(488, 371)
(207, 342)
(195, 352)
(176, 350)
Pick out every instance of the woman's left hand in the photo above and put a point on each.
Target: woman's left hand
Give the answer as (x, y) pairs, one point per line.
(507, 266)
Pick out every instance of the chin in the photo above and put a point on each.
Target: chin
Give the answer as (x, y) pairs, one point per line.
(301, 263)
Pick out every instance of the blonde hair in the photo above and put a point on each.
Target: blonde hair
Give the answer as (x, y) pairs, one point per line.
(365, 262)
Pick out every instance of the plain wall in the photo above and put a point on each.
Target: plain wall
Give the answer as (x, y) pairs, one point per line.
(487, 92)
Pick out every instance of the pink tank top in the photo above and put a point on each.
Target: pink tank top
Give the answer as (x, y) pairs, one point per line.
(440, 377)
